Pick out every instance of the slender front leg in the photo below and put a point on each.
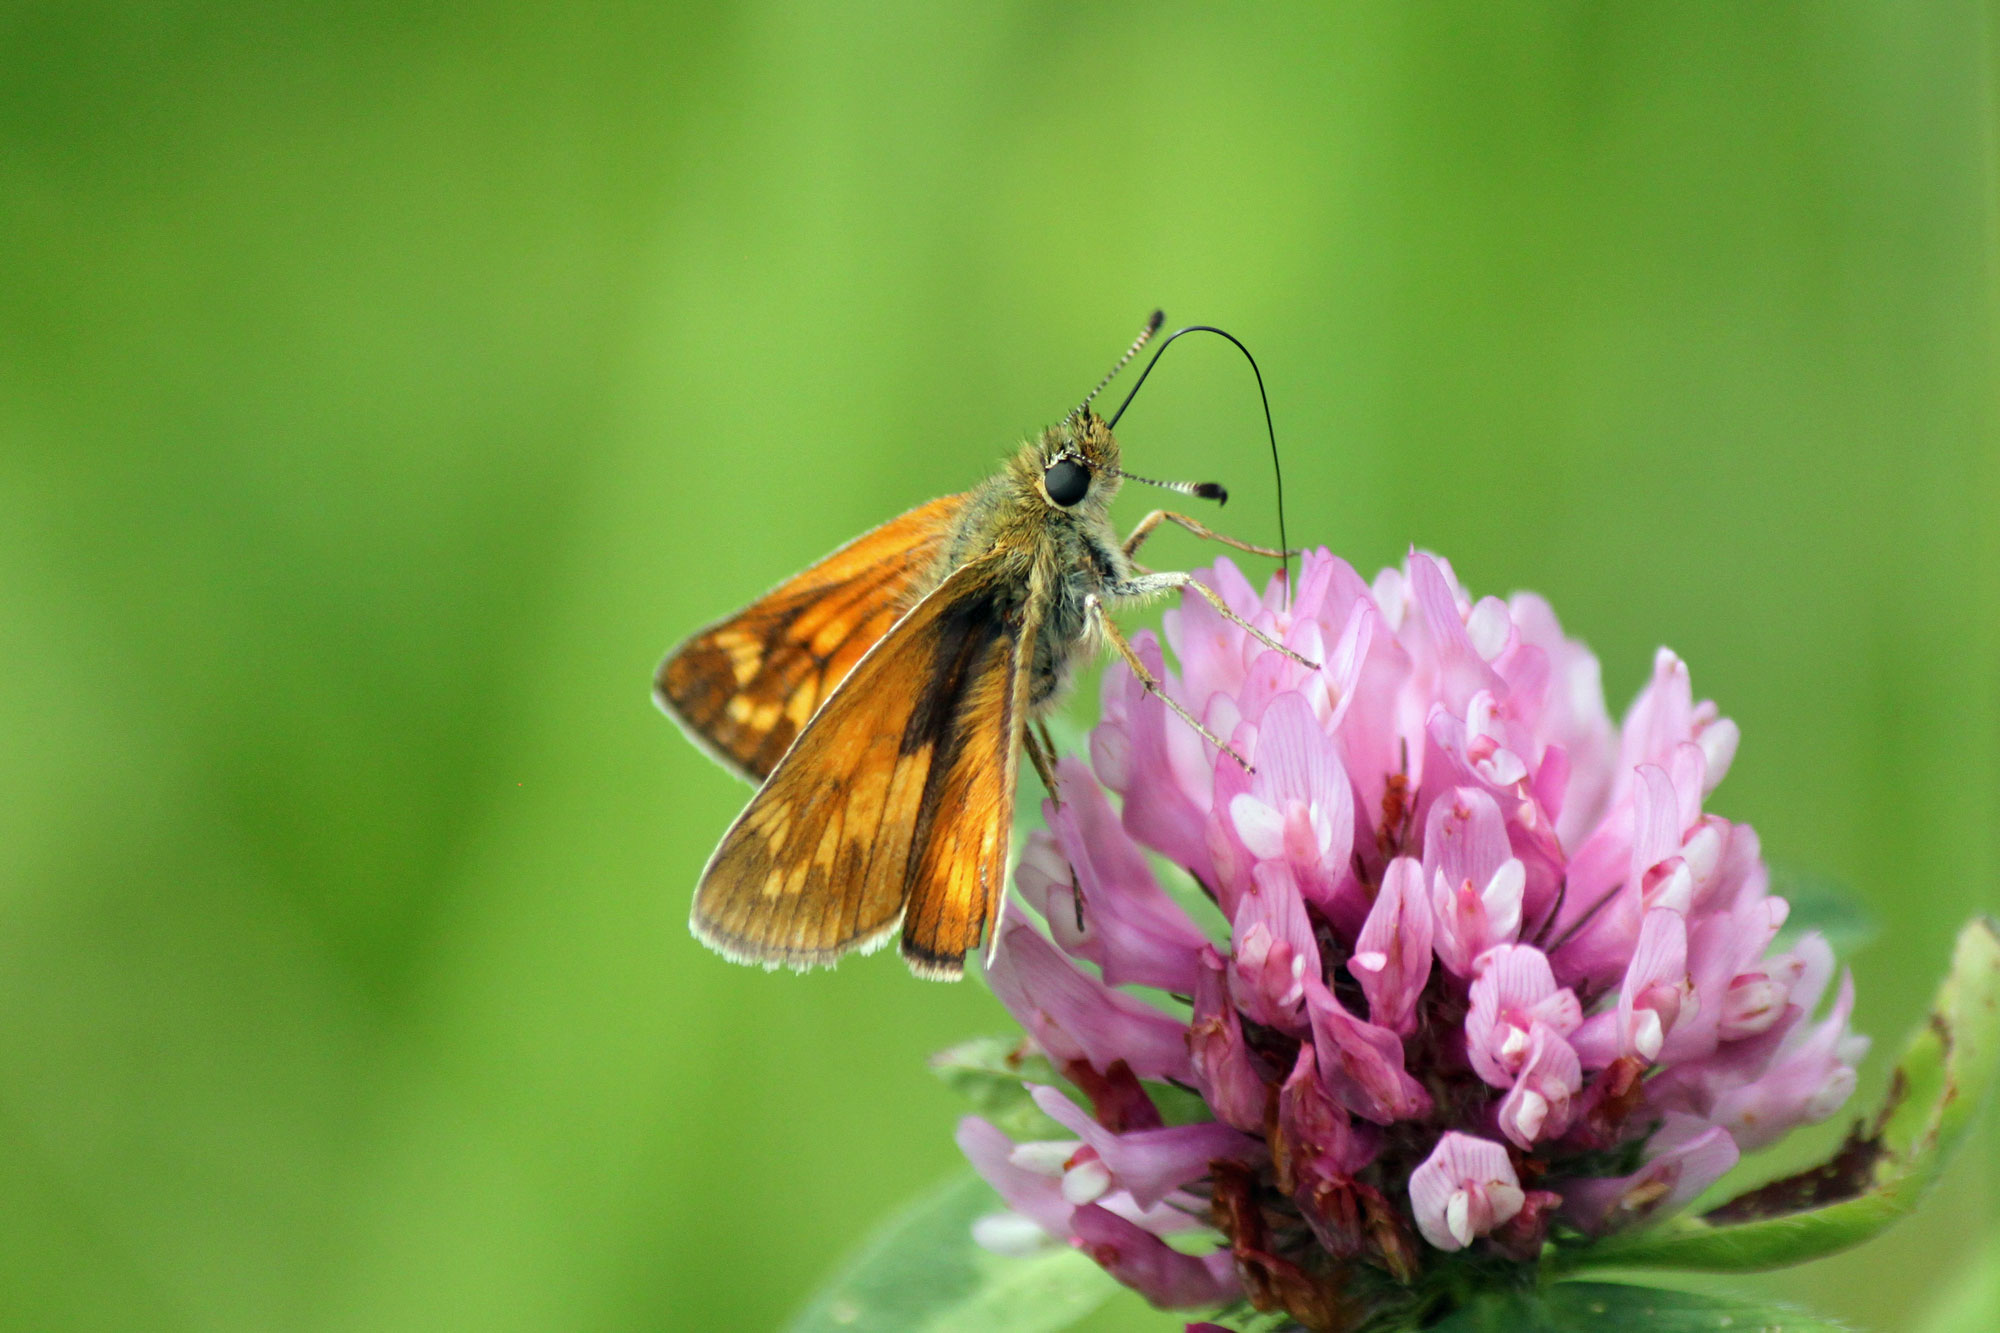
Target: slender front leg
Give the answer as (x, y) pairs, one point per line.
(1159, 516)
(1041, 748)
(1048, 741)
(1094, 609)
(1042, 754)
(1148, 585)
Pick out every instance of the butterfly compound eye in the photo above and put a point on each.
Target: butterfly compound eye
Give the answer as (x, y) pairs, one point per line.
(1066, 481)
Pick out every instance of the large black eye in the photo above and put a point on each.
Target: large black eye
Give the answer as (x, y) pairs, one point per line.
(1066, 481)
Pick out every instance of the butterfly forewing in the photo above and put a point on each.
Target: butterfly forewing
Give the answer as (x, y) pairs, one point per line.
(960, 862)
(745, 687)
(897, 794)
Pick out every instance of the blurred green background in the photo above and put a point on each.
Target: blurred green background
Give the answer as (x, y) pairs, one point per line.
(384, 387)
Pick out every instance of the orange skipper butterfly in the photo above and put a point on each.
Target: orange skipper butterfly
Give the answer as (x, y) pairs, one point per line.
(882, 697)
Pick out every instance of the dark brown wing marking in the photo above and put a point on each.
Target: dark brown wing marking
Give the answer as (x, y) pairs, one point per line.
(745, 687)
(897, 795)
(960, 867)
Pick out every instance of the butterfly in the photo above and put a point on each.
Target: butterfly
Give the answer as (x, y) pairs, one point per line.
(882, 699)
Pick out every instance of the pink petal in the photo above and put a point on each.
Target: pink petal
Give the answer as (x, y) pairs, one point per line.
(1516, 990)
(1471, 920)
(1392, 956)
(1275, 950)
(1223, 1068)
(1684, 1157)
(1718, 740)
(1132, 930)
(1360, 1063)
(1489, 628)
(1145, 1263)
(1261, 827)
(1465, 838)
(1342, 667)
(1032, 1194)
(1077, 1017)
(1660, 718)
(1300, 804)
(1734, 994)
(1655, 984)
(1810, 1080)
(1322, 1142)
(1149, 1164)
(1538, 1105)
(1131, 746)
(1460, 671)
(1464, 1189)
(1657, 829)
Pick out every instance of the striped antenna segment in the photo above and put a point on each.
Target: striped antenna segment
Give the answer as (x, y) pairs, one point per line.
(1158, 318)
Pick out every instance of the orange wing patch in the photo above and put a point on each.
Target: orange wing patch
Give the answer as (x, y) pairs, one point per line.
(745, 687)
(959, 870)
(894, 804)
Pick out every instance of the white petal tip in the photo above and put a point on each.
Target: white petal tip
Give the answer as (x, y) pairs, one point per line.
(1010, 1235)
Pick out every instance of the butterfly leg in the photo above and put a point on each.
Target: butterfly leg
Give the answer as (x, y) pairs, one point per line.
(1149, 585)
(1041, 748)
(1094, 608)
(1042, 754)
(1048, 779)
(1048, 749)
(1207, 534)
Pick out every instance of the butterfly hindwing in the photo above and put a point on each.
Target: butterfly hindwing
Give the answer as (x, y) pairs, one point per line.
(745, 687)
(897, 795)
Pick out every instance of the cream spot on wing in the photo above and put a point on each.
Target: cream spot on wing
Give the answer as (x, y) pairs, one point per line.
(870, 785)
(799, 707)
(795, 882)
(765, 716)
(829, 845)
(906, 789)
(746, 654)
(741, 706)
(900, 782)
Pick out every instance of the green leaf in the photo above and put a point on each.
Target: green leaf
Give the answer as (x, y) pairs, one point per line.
(1823, 905)
(1587, 1307)
(989, 1073)
(1878, 1175)
(921, 1271)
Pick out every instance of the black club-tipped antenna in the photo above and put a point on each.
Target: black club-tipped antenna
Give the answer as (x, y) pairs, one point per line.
(1278, 476)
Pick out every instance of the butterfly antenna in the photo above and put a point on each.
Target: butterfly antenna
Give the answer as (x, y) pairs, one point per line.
(1209, 490)
(1153, 323)
(1201, 490)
